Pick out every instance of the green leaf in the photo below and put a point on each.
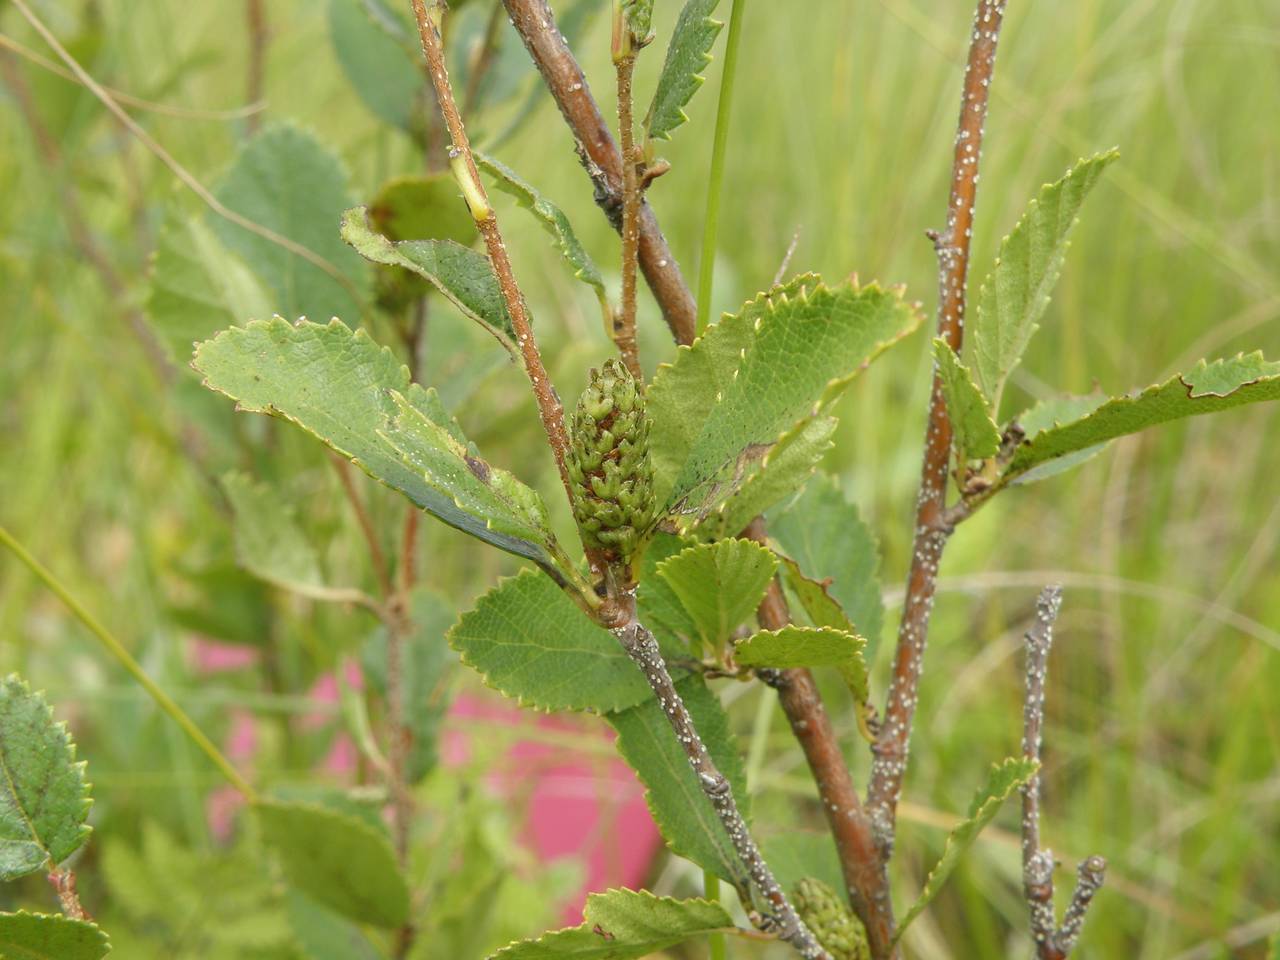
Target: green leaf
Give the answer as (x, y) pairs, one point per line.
(324, 935)
(424, 667)
(198, 287)
(527, 639)
(1004, 778)
(782, 471)
(42, 936)
(685, 816)
(659, 606)
(337, 860)
(1274, 951)
(553, 220)
(342, 388)
(639, 14)
(288, 181)
(422, 207)
(1054, 412)
(1015, 294)
(976, 437)
(823, 533)
(719, 584)
(431, 446)
(682, 72)
(1208, 388)
(624, 925)
(794, 646)
(44, 799)
(463, 275)
(269, 543)
(378, 57)
(822, 609)
(728, 398)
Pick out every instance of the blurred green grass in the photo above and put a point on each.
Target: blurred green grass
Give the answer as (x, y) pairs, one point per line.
(1163, 739)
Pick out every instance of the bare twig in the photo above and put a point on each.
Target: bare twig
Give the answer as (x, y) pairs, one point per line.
(642, 648)
(536, 25)
(376, 556)
(624, 321)
(63, 881)
(1052, 942)
(464, 164)
(255, 15)
(931, 528)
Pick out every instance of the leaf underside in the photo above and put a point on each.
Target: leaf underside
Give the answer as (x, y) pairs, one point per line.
(348, 392)
(44, 799)
(794, 646)
(682, 811)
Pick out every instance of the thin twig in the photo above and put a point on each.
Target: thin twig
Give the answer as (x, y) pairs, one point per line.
(786, 258)
(376, 556)
(536, 25)
(255, 15)
(482, 61)
(624, 321)
(931, 529)
(63, 881)
(464, 164)
(642, 648)
(178, 170)
(151, 106)
(1052, 942)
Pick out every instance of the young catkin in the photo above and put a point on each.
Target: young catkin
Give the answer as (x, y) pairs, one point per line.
(609, 463)
(831, 921)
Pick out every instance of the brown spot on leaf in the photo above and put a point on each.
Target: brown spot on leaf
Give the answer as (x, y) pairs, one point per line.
(601, 932)
(479, 468)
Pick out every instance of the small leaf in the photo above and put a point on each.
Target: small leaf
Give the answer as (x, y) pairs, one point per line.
(782, 471)
(1208, 388)
(728, 398)
(1054, 412)
(424, 207)
(682, 811)
(463, 275)
(42, 936)
(1003, 780)
(553, 220)
(624, 925)
(529, 640)
(794, 646)
(682, 72)
(976, 437)
(198, 287)
(377, 55)
(424, 665)
(822, 609)
(1015, 294)
(823, 533)
(639, 14)
(720, 585)
(288, 181)
(659, 606)
(269, 542)
(337, 860)
(44, 799)
(341, 387)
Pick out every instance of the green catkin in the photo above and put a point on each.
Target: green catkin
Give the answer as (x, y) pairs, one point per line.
(609, 464)
(831, 921)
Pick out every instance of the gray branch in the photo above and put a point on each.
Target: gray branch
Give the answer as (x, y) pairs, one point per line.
(642, 648)
(1052, 942)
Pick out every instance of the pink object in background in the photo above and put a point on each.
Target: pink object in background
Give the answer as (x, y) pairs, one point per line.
(585, 805)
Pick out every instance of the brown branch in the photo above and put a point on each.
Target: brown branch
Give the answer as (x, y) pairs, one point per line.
(63, 881)
(850, 826)
(931, 527)
(1052, 942)
(536, 25)
(642, 648)
(624, 321)
(255, 15)
(376, 556)
(549, 407)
